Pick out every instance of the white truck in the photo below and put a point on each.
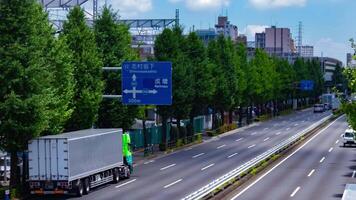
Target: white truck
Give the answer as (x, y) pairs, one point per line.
(75, 162)
(330, 101)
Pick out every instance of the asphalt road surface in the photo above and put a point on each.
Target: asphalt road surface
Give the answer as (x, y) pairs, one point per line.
(181, 173)
(318, 170)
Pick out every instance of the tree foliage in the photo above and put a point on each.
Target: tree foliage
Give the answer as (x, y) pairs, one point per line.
(114, 44)
(350, 108)
(87, 70)
(36, 81)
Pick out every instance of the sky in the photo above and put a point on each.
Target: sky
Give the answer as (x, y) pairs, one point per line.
(327, 24)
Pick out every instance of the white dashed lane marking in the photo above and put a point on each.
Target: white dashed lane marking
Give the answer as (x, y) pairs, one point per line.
(232, 155)
(311, 172)
(204, 168)
(295, 191)
(171, 184)
(198, 155)
(169, 166)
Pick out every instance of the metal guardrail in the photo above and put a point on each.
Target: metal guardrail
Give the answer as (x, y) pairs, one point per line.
(209, 188)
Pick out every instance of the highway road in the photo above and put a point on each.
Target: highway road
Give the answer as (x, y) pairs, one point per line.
(318, 170)
(181, 173)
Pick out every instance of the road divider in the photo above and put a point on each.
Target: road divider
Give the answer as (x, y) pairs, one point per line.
(236, 173)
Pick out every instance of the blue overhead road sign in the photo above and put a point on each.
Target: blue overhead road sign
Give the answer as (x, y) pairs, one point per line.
(147, 83)
(307, 85)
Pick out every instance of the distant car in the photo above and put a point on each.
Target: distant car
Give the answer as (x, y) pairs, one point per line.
(349, 137)
(319, 108)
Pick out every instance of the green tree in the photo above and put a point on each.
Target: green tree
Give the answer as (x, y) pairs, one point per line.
(221, 53)
(166, 47)
(60, 110)
(285, 82)
(169, 47)
(32, 60)
(350, 108)
(182, 82)
(114, 44)
(338, 79)
(87, 70)
(317, 77)
(243, 80)
(261, 79)
(201, 70)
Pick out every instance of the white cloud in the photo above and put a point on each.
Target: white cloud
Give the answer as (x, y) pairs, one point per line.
(131, 8)
(251, 30)
(330, 48)
(203, 4)
(267, 4)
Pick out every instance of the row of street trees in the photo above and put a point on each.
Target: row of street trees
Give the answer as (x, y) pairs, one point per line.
(220, 78)
(50, 83)
(350, 108)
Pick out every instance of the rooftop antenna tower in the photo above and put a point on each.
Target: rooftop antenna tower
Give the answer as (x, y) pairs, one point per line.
(300, 38)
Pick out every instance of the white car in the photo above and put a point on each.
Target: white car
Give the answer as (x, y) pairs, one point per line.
(349, 137)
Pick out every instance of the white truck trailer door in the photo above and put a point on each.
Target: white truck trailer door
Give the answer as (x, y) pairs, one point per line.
(62, 152)
(33, 161)
(48, 159)
(42, 159)
(54, 159)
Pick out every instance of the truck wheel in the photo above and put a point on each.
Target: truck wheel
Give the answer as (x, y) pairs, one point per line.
(79, 189)
(86, 186)
(116, 176)
(128, 174)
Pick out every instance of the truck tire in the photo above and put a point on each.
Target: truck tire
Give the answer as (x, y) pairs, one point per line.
(79, 189)
(86, 186)
(128, 173)
(116, 175)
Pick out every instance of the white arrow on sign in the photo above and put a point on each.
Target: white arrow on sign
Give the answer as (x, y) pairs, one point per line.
(134, 77)
(134, 92)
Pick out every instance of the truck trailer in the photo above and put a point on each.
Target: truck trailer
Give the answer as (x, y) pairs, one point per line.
(75, 162)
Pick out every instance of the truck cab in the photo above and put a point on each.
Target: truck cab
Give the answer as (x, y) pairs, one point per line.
(349, 137)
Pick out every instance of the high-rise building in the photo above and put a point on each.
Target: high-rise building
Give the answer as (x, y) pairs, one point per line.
(348, 59)
(260, 40)
(242, 39)
(279, 41)
(206, 35)
(306, 51)
(226, 28)
(350, 62)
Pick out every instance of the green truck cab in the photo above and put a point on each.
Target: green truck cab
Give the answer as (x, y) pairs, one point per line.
(126, 150)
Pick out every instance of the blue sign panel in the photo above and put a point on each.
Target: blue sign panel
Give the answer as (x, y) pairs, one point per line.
(307, 85)
(147, 83)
